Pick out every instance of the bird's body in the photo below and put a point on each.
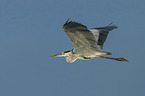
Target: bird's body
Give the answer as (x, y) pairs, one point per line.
(87, 43)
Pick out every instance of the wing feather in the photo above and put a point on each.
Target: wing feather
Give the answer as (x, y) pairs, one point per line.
(80, 36)
(84, 39)
(102, 33)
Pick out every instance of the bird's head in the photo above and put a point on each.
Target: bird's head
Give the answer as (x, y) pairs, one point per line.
(63, 54)
(69, 56)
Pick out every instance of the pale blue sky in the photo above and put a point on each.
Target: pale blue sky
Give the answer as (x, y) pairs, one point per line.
(31, 32)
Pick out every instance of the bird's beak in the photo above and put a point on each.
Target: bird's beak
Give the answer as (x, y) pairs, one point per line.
(58, 55)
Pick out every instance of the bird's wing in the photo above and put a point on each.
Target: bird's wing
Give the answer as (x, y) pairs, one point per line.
(101, 33)
(82, 39)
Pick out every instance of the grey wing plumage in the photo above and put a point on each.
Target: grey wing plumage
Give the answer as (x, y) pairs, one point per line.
(101, 34)
(84, 39)
(81, 37)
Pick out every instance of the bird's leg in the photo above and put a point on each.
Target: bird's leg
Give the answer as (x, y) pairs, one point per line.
(118, 59)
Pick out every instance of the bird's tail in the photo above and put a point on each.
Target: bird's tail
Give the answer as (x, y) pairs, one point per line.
(103, 53)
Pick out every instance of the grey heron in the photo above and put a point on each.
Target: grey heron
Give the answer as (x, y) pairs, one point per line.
(87, 43)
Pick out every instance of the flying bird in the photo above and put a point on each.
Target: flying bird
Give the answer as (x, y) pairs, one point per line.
(87, 43)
